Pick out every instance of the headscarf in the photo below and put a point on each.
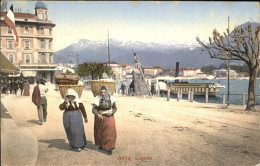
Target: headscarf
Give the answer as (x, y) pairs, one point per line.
(105, 100)
(72, 92)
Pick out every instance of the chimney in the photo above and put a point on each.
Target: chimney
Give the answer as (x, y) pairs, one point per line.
(177, 71)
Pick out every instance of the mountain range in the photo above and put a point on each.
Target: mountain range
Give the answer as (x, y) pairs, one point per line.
(164, 53)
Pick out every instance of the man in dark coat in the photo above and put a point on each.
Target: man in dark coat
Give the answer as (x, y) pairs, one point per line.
(15, 87)
(12, 86)
(21, 86)
(36, 97)
(152, 89)
(123, 88)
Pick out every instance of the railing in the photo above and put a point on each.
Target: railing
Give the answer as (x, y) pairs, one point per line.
(190, 97)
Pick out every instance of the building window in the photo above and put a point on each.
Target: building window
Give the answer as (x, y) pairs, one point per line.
(9, 30)
(50, 31)
(26, 43)
(43, 58)
(28, 58)
(10, 44)
(40, 15)
(49, 44)
(50, 59)
(42, 44)
(42, 31)
(11, 58)
(26, 30)
(46, 15)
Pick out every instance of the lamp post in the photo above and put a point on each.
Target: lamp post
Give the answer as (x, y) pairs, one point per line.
(228, 70)
(228, 84)
(108, 50)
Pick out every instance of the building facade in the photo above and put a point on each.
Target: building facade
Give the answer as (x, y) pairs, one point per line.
(152, 70)
(189, 72)
(34, 53)
(224, 73)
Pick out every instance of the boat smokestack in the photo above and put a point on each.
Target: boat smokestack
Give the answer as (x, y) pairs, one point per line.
(177, 71)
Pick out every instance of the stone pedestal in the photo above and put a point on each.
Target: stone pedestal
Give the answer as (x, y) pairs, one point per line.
(140, 88)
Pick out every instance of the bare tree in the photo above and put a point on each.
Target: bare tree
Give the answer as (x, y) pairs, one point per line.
(243, 45)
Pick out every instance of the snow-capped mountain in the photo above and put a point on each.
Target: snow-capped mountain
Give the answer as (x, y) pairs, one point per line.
(163, 53)
(169, 44)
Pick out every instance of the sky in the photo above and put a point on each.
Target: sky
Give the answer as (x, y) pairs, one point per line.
(151, 21)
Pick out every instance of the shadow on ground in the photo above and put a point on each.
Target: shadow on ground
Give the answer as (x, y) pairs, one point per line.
(56, 143)
(33, 121)
(4, 112)
(61, 144)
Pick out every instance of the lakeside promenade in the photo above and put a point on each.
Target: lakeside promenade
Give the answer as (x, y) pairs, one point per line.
(150, 131)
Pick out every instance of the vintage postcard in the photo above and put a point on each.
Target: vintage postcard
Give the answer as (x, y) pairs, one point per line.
(130, 83)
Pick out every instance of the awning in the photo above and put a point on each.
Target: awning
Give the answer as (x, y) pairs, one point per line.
(29, 73)
(6, 66)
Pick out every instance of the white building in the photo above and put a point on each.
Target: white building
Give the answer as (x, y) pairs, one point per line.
(121, 70)
(152, 70)
(224, 73)
(189, 72)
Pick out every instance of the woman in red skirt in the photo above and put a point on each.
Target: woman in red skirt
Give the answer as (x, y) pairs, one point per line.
(104, 108)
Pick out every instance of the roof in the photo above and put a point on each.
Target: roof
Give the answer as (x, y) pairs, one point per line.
(6, 66)
(181, 69)
(189, 68)
(40, 4)
(151, 67)
(111, 63)
(20, 15)
(124, 64)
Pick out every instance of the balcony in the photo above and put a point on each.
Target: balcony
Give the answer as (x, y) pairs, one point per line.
(36, 65)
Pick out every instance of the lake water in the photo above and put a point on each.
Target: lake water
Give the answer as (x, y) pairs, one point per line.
(237, 88)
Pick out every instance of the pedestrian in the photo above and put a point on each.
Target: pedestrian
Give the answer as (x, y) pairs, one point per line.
(1, 86)
(21, 86)
(123, 88)
(12, 86)
(8, 86)
(26, 88)
(39, 99)
(72, 120)
(16, 86)
(152, 89)
(104, 108)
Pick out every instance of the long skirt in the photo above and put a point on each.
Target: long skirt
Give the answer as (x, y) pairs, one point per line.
(73, 125)
(26, 91)
(105, 132)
